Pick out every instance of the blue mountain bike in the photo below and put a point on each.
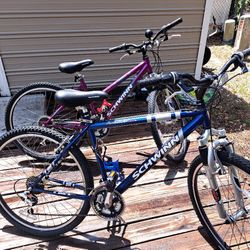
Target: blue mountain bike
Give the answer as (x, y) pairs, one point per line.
(47, 198)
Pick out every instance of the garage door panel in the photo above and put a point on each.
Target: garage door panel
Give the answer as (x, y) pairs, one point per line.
(77, 5)
(81, 41)
(48, 24)
(66, 80)
(99, 73)
(101, 59)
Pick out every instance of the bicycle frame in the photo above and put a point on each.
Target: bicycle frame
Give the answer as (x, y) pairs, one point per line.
(139, 71)
(200, 117)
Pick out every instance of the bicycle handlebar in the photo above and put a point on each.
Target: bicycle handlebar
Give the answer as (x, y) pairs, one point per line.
(174, 78)
(163, 30)
(159, 81)
(246, 53)
(117, 48)
(236, 59)
(127, 46)
(167, 27)
(162, 79)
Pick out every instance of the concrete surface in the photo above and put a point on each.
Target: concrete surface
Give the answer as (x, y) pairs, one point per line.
(3, 103)
(28, 111)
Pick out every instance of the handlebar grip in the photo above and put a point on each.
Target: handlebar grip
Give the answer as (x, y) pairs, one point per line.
(155, 80)
(117, 48)
(246, 52)
(167, 27)
(174, 23)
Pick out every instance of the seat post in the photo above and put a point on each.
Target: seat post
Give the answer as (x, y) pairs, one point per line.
(80, 78)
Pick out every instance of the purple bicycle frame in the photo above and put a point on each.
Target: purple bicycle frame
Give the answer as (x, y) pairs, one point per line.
(139, 71)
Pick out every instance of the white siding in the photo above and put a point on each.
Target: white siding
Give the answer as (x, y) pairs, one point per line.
(35, 36)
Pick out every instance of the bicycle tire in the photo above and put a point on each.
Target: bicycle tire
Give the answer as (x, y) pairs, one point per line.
(24, 92)
(152, 108)
(223, 234)
(52, 215)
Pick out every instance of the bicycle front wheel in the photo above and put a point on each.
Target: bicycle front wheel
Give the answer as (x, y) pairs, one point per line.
(44, 212)
(162, 131)
(233, 232)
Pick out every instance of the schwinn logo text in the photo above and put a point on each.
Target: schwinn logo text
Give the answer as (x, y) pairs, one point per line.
(157, 156)
(119, 101)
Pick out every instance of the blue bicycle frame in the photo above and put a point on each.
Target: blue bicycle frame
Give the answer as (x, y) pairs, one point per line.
(200, 117)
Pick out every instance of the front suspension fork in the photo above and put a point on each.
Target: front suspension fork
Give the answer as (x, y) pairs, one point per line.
(213, 167)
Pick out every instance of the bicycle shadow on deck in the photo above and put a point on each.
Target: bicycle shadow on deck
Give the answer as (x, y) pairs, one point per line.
(78, 239)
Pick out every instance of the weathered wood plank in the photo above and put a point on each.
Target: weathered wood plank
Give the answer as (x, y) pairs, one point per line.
(152, 204)
(143, 228)
(135, 233)
(187, 240)
(152, 216)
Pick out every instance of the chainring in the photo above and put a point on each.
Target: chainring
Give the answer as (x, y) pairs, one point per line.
(97, 203)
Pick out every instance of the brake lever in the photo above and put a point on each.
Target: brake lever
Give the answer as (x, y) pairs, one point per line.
(123, 56)
(174, 35)
(128, 53)
(240, 64)
(164, 36)
(234, 68)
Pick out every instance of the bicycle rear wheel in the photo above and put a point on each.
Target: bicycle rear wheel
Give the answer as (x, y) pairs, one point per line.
(224, 234)
(164, 130)
(41, 213)
(33, 105)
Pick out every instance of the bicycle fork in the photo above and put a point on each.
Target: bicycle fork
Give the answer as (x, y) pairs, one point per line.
(213, 167)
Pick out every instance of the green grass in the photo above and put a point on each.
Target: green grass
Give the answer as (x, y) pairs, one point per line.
(233, 113)
(221, 53)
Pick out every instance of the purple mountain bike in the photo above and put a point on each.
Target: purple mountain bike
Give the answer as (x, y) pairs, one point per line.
(35, 105)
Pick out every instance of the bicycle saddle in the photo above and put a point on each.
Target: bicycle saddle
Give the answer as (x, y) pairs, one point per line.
(73, 98)
(73, 67)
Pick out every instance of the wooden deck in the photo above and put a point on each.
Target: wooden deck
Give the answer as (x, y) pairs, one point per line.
(158, 213)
